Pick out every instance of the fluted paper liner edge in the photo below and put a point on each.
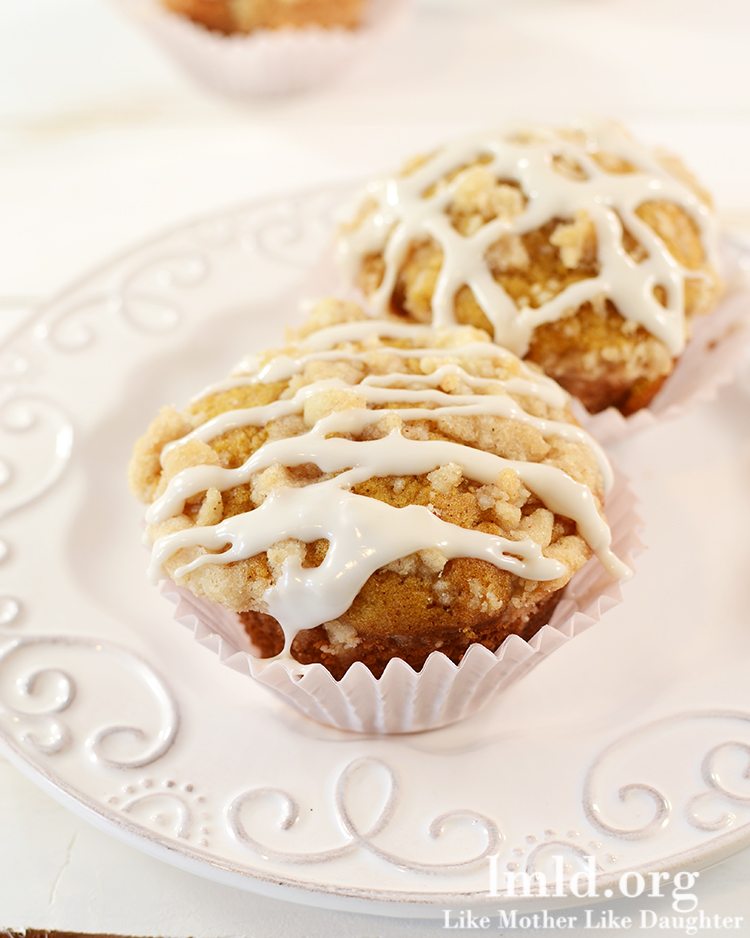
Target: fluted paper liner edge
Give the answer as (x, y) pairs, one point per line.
(265, 62)
(402, 700)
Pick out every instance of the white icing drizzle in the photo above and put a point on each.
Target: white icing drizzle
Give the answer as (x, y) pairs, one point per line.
(403, 216)
(363, 533)
(251, 370)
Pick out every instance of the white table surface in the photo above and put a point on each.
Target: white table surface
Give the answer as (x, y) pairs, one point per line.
(103, 142)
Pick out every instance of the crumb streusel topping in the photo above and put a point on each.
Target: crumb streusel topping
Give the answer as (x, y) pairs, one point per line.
(578, 248)
(370, 448)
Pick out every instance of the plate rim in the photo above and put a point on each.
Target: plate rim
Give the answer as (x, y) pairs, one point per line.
(243, 876)
(247, 879)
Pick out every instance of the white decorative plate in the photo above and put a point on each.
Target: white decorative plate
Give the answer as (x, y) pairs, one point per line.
(632, 743)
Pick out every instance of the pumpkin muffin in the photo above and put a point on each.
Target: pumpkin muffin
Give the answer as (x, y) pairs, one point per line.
(375, 490)
(578, 248)
(246, 16)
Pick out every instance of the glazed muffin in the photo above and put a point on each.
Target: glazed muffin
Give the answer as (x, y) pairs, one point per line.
(578, 249)
(376, 490)
(245, 16)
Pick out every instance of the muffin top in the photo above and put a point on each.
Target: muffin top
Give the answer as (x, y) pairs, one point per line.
(364, 448)
(246, 16)
(512, 230)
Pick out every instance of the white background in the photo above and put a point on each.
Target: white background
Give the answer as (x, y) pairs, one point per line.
(102, 142)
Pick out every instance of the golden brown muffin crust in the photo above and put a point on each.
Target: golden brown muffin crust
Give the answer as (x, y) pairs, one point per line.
(416, 604)
(593, 351)
(245, 16)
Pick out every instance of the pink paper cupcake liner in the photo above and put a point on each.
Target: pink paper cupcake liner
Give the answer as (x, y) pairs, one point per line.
(403, 700)
(266, 62)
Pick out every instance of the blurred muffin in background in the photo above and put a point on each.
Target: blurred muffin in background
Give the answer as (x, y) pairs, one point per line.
(258, 48)
(245, 16)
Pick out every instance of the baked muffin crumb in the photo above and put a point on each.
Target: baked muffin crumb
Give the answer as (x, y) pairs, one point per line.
(491, 438)
(247, 16)
(550, 240)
